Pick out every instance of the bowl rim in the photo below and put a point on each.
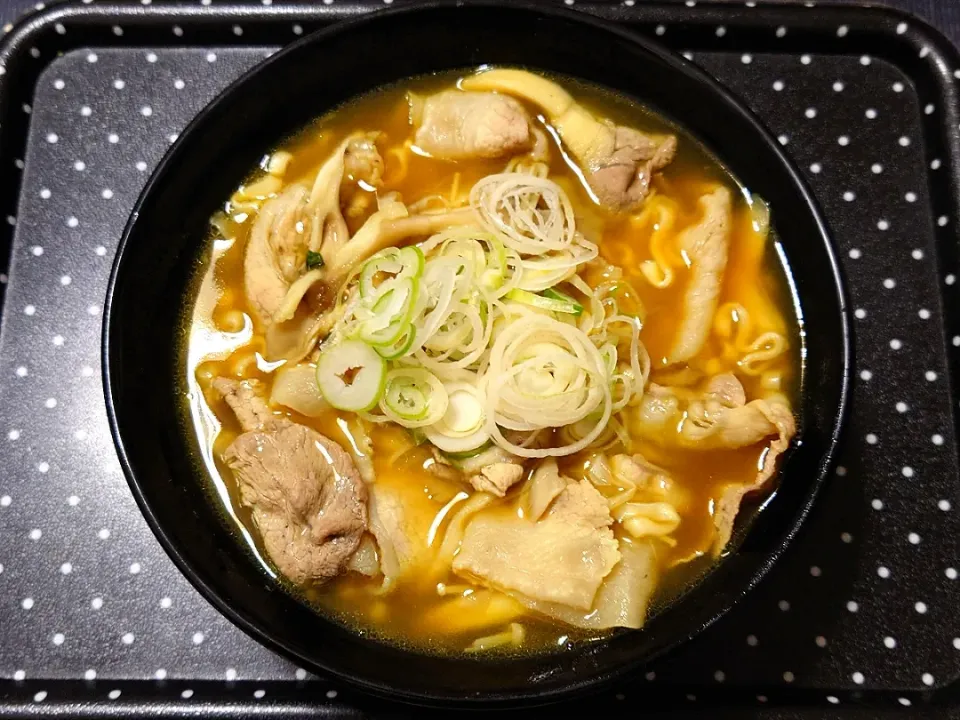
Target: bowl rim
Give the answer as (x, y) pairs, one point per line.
(676, 63)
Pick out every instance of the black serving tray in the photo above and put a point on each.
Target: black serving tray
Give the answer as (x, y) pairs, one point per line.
(859, 619)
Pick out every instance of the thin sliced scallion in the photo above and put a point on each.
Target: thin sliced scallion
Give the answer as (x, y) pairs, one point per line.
(413, 397)
(350, 375)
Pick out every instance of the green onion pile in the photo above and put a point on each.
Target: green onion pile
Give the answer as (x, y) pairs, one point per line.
(487, 334)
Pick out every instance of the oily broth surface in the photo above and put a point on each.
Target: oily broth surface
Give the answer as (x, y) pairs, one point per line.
(413, 613)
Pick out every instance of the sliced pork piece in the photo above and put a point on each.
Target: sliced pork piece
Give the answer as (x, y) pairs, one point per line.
(618, 162)
(307, 498)
(456, 125)
(497, 478)
(705, 245)
(561, 559)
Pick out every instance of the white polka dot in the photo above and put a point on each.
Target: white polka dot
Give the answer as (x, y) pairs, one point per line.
(902, 407)
(720, 31)
(951, 573)
(920, 607)
(783, 605)
(907, 471)
(117, 30)
(864, 59)
(783, 139)
(927, 679)
(211, 57)
(928, 109)
(65, 280)
(781, 31)
(838, 86)
(651, 676)
(259, 693)
(151, 57)
(942, 220)
(113, 138)
(165, 602)
(40, 696)
(843, 140)
(26, 603)
(871, 114)
(52, 138)
(883, 225)
(930, 375)
(857, 677)
(805, 59)
(855, 254)
(103, 533)
(883, 572)
(815, 571)
(889, 642)
(231, 674)
(810, 113)
(896, 344)
(86, 371)
(187, 694)
(913, 538)
(876, 504)
(865, 375)
(73, 501)
(901, 28)
(833, 699)
(58, 84)
(58, 340)
(301, 674)
(841, 471)
(752, 640)
(849, 196)
(944, 505)
(935, 164)
(113, 694)
(127, 638)
(92, 58)
(787, 677)
(79, 166)
(97, 603)
(778, 85)
(43, 467)
(904, 141)
(178, 31)
(820, 640)
(135, 568)
(719, 676)
(5, 501)
(660, 28)
(898, 87)
(956, 643)
(30, 309)
(860, 313)
(21, 371)
(141, 166)
(72, 222)
(160, 674)
(763, 698)
(106, 193)
(842, 31)
(90, 674)
(950, 279)
(119, 84)
(172, 137)
(876, 168)
(146, 111)
(815, 168)
(197, 638)
(852, 606)
(58, 639)
(917, 254)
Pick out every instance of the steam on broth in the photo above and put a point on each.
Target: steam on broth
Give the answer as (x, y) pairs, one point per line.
(488, 362)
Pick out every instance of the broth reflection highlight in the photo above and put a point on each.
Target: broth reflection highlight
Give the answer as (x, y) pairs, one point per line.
(488, 362)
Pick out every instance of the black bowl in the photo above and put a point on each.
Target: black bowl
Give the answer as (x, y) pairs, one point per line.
(164, 242)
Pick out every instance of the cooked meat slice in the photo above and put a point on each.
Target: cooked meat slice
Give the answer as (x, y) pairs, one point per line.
(618, 162)
(623, 598)
(497, 478)
(307, 498)
(561, 559)
(454, 125)
(621, 169)
(705, 244)
(542, 489)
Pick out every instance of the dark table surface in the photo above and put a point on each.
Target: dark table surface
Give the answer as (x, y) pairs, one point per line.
(942, 14)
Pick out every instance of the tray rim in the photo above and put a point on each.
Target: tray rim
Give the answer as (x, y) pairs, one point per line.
(869, 21)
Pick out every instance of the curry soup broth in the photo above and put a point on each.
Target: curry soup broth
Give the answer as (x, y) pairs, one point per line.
(414, 612)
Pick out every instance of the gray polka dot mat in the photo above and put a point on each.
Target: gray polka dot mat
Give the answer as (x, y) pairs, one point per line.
(861, 614)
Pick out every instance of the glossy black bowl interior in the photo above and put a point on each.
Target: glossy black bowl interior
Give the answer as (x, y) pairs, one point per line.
(162, 247)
